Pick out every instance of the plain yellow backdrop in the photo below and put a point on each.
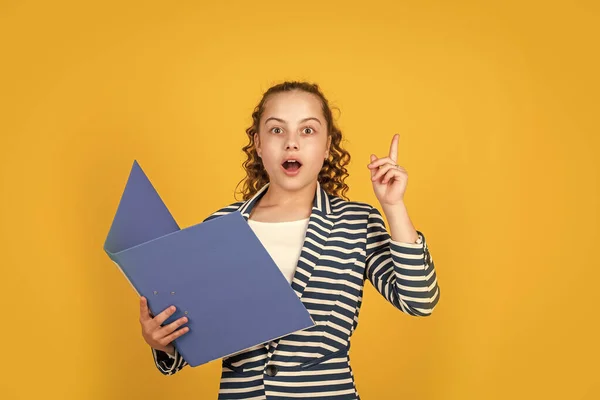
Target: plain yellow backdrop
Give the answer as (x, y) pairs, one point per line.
(497, 105)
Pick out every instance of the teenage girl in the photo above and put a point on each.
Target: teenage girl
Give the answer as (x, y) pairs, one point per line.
(327, 246)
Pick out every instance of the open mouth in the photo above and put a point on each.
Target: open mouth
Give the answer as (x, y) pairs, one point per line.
(291, 165)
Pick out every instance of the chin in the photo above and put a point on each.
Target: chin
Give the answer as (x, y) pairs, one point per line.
(289, 185)
(293, 183)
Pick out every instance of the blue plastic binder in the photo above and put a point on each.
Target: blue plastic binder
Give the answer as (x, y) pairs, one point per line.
(217, 273)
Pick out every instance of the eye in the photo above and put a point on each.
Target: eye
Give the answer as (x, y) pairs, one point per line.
(309, 128)
(272, 129)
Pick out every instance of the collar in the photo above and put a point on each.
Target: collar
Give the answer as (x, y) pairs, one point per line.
(321, 202)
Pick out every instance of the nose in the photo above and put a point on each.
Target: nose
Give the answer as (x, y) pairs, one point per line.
(291, 142)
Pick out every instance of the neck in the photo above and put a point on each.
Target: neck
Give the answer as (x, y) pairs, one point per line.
(278, 196)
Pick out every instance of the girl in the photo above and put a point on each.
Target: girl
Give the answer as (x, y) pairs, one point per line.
(326, 246)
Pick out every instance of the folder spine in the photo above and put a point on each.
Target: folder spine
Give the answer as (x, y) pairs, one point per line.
(115, 260)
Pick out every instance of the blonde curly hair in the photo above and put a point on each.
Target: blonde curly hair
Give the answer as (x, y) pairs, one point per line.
(332, 174)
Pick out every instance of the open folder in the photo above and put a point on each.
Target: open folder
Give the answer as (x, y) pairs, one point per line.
(217, 273)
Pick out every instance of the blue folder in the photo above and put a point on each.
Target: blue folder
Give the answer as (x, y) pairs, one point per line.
(217, 273)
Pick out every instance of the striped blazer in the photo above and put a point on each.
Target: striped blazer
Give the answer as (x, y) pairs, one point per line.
(346, 242)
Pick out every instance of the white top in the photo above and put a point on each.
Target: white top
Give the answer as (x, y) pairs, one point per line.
(283, 241)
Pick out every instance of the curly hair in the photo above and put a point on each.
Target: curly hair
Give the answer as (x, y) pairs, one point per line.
(332, 174)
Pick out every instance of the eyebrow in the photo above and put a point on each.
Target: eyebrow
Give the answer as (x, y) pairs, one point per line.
(282, 121)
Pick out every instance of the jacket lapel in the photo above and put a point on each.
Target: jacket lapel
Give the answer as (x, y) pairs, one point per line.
(317, 233)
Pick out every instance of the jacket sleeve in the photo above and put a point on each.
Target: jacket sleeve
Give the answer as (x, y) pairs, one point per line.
(403, 273)
(167, 364)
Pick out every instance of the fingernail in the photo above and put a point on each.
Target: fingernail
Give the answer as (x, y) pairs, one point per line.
(172, 308)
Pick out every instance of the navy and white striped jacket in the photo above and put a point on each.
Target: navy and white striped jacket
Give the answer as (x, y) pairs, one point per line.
(346, 242)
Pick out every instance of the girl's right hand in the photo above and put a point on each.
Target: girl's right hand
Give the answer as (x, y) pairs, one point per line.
(157, 336)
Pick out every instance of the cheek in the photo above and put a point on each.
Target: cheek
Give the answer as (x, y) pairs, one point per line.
(269, 159)
(318, 150)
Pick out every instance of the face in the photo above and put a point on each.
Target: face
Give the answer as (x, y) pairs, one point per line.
(292, 140)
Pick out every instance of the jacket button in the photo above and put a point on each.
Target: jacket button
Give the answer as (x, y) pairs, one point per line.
(271, 370)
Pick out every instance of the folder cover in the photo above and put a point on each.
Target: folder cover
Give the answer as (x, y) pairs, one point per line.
(217, 273)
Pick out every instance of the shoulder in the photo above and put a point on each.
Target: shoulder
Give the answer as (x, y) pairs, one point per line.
(225, 210)
(344, 208)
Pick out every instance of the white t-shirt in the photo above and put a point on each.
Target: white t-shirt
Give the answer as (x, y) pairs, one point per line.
(283, 241)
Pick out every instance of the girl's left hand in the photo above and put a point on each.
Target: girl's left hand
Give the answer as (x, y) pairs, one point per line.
(388, 178)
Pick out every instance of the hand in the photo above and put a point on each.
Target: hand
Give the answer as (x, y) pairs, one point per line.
(388, 178)
(157, 336)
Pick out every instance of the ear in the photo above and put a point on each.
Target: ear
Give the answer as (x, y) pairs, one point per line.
(257, 144)
(328, 146)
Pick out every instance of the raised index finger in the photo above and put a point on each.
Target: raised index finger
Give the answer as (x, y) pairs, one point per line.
(394, 148)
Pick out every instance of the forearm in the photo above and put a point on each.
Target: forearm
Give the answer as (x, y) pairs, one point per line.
(409, 281)
(400, 225)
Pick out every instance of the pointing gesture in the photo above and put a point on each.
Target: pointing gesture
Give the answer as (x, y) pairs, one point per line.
(388, 178)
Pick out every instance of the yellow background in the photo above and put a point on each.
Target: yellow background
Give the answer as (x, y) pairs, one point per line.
(497, 106)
